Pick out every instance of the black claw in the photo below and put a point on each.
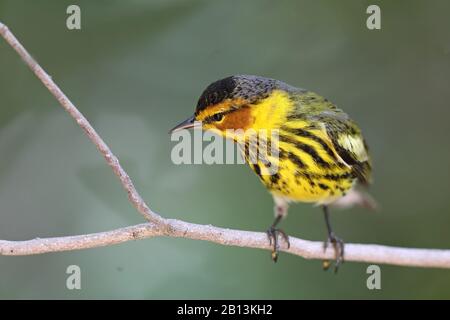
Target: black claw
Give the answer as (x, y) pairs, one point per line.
(272, 234)
(338, 246)
(285, 238)
(269, 236)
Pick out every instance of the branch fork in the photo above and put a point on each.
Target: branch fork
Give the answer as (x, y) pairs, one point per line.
(157, 226)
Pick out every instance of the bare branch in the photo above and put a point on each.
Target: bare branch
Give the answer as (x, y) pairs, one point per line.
(430, 258)
(158, 226)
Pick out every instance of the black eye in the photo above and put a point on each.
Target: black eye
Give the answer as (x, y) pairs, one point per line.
(217, 117)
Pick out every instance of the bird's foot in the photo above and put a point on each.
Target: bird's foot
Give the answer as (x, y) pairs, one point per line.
(338, 245)
(272, 234)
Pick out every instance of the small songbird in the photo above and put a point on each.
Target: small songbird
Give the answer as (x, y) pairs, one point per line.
(322, 156)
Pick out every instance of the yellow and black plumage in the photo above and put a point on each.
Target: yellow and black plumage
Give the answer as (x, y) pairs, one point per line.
(322, 154)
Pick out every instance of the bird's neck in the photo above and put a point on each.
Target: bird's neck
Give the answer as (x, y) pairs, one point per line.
(264, 117)
(271, 112)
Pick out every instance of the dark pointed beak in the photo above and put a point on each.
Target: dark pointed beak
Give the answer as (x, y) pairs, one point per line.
(186, 124)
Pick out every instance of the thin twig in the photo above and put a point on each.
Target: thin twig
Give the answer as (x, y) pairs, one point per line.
(158, 226)
(110, 158)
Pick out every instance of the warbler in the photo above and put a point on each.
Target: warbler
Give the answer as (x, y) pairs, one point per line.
(322, 155)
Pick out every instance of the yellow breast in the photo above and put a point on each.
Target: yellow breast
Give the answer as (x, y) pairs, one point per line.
(308, 168)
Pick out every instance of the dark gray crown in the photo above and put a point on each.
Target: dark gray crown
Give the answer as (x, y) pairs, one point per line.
(251, 88)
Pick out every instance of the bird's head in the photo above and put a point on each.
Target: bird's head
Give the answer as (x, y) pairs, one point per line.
(240, 103)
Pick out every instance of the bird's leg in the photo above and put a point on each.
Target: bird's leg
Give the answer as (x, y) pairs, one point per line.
(273, 232)
(338, 244)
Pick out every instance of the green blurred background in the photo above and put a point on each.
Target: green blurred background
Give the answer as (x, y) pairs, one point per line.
(137, 68)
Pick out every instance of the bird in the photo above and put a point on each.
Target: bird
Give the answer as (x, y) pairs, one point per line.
(322, 157)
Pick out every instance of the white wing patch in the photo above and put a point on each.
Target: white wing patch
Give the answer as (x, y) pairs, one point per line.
(355, 145)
